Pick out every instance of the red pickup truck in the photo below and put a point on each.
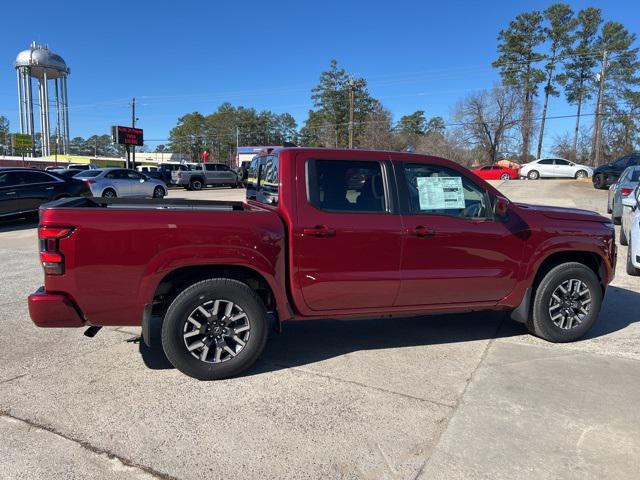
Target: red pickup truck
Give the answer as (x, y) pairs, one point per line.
(323, 233)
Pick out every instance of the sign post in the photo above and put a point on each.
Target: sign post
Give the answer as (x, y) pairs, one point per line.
(127, 136)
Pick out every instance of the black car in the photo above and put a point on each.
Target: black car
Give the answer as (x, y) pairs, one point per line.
(606, 175)
(23, 190)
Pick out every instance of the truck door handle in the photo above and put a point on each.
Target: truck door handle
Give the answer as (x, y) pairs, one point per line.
(10, 193)
(321, 231)
(422, 231)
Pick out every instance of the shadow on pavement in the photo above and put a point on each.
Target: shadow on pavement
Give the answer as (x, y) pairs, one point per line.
(14, 224)
(305, 342)
(620, 309)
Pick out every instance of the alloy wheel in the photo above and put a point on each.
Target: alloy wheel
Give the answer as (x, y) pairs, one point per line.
(216, 331)
(570, 304)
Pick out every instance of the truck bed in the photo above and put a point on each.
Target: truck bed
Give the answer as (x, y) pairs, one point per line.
(146, 204)
(120, 249)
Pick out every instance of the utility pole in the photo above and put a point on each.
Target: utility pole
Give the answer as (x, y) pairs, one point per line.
(237, 146)
(351, 102)
(133, 124)
(597, 127)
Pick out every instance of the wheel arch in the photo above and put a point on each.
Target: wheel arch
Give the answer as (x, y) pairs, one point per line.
(592, 260)
(180, 278)
(588, 258)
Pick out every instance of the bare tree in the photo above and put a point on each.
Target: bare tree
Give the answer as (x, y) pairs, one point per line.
(377, 133)
(566, 145)
(487, 119)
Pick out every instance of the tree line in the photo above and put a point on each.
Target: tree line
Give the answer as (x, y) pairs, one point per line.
(540, 55)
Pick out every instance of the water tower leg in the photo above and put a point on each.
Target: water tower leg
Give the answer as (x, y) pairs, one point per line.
(20, 99)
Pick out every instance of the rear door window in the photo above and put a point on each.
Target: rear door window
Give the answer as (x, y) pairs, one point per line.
(547, 161)
(347, 186)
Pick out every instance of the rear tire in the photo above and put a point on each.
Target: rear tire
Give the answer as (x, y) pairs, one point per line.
(505, 176)
(574, 278)
(158, 192)
(109, 193)
(533, 175)
(178, 329)
(631, 269)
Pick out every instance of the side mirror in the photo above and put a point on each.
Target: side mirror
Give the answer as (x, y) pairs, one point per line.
(500, 207)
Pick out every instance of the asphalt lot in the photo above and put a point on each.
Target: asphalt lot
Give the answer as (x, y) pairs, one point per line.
(458, 396)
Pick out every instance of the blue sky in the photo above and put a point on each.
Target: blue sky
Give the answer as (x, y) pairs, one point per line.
(177, 57)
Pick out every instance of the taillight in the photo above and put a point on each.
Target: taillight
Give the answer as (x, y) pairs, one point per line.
(50, 256)
(626, 191)
(90, 182)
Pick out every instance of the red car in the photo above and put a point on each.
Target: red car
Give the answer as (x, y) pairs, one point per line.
(323, 234)
(496, 172)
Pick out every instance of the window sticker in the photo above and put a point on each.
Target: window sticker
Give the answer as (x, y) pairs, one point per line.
(440, 193)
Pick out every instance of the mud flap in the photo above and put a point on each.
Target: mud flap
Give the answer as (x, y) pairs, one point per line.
(521, 313)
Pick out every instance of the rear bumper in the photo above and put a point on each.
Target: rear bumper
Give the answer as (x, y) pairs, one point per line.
(53, 310)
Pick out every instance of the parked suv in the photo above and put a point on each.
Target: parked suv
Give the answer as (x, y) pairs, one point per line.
(606, 175)
(554, 168)
(203, 174)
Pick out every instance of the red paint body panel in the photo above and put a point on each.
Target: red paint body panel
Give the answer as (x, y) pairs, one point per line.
(116, 258)
(51, 310)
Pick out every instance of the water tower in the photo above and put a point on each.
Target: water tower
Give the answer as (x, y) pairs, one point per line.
(42, 64)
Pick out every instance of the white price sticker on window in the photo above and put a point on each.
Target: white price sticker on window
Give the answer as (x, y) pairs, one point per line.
(439, 193)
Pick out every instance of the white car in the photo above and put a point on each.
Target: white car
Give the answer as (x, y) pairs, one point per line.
(630, 231)
(553, 167)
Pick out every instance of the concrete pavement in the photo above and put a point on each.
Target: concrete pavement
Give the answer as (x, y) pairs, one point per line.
(458, 396)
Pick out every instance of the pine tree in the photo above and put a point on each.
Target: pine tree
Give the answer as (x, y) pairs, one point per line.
(620, 100)
(559, 33)
(331, 99)
(579, 67)
(517, 61)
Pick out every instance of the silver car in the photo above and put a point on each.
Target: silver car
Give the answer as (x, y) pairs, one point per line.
(121, 182)
(623, 187)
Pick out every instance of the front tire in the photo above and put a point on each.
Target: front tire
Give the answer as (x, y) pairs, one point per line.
(581, 174)
(215, 329)
(195, 184)
(615, 220)
(533, 175)
(599, 181)
(505, 176)
(109, 193)
(631, 269)
(566, 303)
(623, 237)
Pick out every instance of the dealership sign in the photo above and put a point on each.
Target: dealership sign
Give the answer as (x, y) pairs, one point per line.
(21, 141)
(127, 135)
